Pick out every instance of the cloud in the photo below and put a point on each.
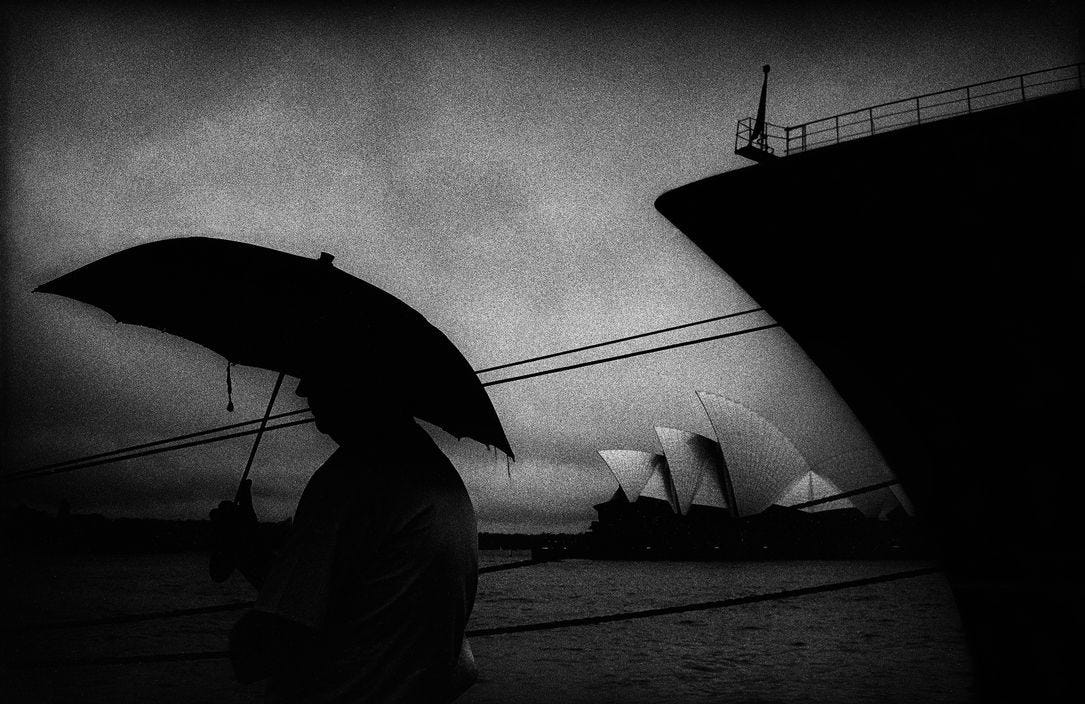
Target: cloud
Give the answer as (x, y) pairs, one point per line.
(535, 491)
(494, 169)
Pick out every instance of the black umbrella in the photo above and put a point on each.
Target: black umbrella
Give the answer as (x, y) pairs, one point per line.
(265, 308)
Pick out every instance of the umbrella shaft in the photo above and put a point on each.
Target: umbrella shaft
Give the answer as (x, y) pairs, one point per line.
(260, 432)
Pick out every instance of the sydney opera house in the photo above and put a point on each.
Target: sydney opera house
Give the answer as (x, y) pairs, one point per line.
(749, 493)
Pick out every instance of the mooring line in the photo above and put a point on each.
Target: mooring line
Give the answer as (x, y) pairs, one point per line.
(627, 355)
(522, 628)
(702, 606)
(618, 340)
(85, 461)
(515, 565)
(153, 443)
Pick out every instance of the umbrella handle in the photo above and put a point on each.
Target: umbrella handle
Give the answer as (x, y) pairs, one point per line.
(259, 434)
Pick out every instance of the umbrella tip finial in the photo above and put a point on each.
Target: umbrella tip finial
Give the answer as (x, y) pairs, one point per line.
(326, 259)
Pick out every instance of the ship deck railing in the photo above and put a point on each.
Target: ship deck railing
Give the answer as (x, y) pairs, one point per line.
(780, 140)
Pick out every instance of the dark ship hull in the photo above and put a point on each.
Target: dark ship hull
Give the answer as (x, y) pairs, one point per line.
(935, 275)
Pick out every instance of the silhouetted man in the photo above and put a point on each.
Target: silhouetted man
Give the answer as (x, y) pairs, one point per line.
(369, 598)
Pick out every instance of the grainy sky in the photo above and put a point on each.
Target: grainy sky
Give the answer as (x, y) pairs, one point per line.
(493, 166)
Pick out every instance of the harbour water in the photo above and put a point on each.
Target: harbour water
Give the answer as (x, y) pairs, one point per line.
(892, 642)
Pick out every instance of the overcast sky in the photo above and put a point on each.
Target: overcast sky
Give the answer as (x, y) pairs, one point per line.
(495, 168)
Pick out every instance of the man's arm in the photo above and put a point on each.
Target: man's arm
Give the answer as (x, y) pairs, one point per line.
(237, 543)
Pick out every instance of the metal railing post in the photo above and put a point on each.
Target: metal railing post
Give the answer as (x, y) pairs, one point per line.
(1022, 80)
(968, 98)
(870, 112)
(804, 137)
(918, 118)
(837, 129)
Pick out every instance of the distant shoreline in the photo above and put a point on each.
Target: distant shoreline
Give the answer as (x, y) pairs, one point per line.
(26, 530)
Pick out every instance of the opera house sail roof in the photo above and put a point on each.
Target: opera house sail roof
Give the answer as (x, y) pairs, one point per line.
(765, 467)
(641, 474)
(752, 465)
(810, 487)
(862, 467)
(697, 468)
(762, 462)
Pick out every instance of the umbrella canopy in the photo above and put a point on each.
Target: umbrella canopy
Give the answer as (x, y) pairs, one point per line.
(265, 308)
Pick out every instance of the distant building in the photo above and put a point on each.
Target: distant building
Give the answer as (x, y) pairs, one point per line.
(686, 501)
(644, 515)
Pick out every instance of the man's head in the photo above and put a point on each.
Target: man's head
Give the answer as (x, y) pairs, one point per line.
(347, 408)
(354, 388)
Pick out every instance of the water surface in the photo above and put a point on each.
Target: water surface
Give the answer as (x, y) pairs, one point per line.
(894, 642)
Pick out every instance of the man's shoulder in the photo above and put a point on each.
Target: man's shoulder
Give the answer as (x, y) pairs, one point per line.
(403, 471)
